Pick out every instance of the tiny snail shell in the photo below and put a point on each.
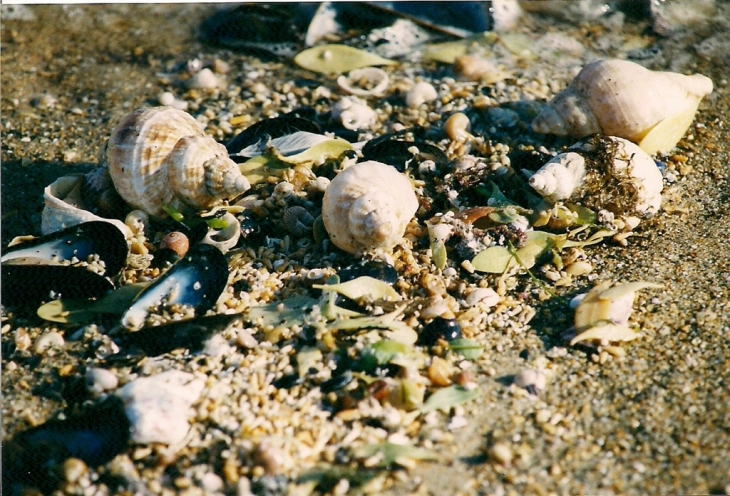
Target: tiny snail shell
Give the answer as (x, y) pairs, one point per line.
(368, 206)
(177, 242)
(298, 221)
(604, 172)
(161, 157)
(354, 114)
(623, 99)
(422, 92)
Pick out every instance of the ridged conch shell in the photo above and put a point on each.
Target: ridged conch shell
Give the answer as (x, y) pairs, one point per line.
(621, 98)
(603, 314)
(161, 157)
(603, 172)
(368, 206)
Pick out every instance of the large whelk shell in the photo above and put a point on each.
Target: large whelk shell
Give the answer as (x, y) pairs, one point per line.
(368, 206)
(64, 207)
(603, 172)
(160, 157)
(621, 98)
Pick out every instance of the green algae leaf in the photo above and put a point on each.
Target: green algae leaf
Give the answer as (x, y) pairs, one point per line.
(316, 155)
(449, 51)
(386, 350)
(289, 312)
(260, 168)
(448, 397)
(497, 259)
(395, 329)
(80, 311)
(362, 287)
(390, 454)
(337, 59)
(466, 348)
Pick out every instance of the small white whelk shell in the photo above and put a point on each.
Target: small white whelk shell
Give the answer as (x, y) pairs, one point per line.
(603, 314)
(422, 92)
(226, 238)
(161, 157)
(354, 114)
(364, 82)
(368, 206)
(603, 172)
(622, 98)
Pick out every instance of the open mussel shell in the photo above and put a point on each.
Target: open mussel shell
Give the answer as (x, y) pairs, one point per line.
(95, 436)
(80, 242)
(197, 280)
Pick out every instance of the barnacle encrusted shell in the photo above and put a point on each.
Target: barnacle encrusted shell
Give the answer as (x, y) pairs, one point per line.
(603, 172)
(368, 206)
(624, 99)
(161, 157)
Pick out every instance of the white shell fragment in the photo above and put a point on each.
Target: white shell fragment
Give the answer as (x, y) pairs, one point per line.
(603, 172)
(422, 92)
(63, 207)
(100, 380)
(622, 98)
(603, 314)
(226, 238)
(532, 380)
(159, 406)
(368, 206)
(161, 157)
(364, 82)
(354, 114)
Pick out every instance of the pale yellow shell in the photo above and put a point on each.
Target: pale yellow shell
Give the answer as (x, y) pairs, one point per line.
(368, 206)
(605, 310)
(621, 98)
(161, 157)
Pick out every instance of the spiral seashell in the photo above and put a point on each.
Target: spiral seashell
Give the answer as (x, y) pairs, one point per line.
(161, 157)
(354, 114)
(368, 206)
(621, 98)
(603, 172)
(298, 221)
(226, 238)
(177, 242)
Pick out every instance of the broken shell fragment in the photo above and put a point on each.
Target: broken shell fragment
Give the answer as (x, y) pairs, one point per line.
(604, 172)
(364, 82)
(226, 238)
(622, 98)
(422, 92)
(603, 314)
(64, 207)
(368, 206)
(354, 114)
(532, 380)
(160, 157)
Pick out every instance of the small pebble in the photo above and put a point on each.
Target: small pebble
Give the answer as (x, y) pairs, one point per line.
(203, 79)
(100, 380)
(48, 342)
(532, 380)
(73, 469)
(501, 453)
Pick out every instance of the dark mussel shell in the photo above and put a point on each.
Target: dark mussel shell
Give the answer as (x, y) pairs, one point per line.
(274, 127)
(31, 272)
(197, 280)
(393, 149)
(80, 241)
(440, 328)
(96, 436)
(190, 334)
(371, 268)
(30, 285)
